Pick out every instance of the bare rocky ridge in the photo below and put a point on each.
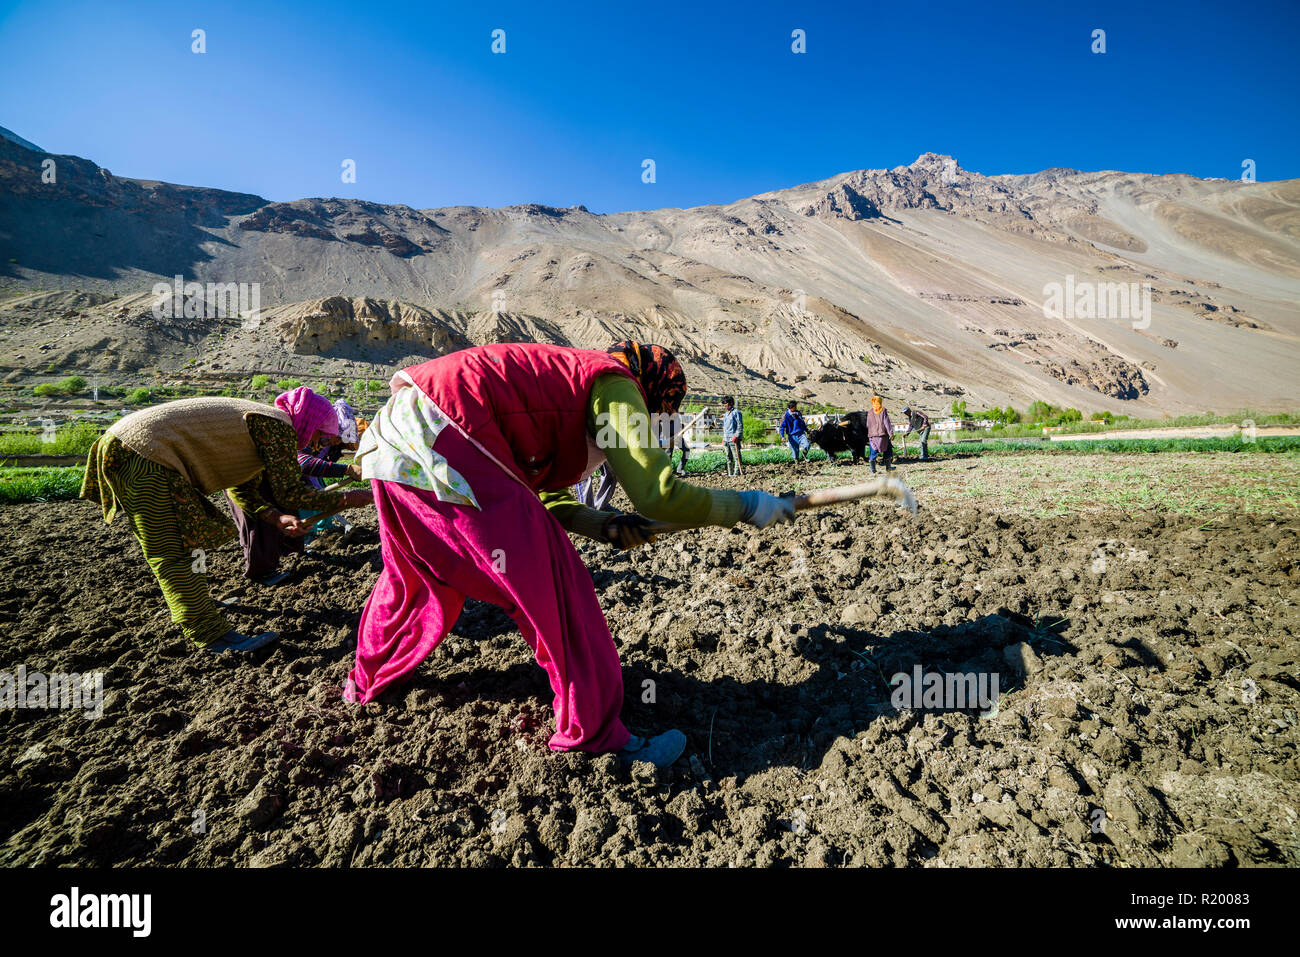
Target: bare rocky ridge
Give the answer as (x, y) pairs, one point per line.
(924, 282)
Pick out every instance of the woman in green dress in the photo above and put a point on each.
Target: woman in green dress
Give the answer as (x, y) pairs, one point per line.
(158, 466)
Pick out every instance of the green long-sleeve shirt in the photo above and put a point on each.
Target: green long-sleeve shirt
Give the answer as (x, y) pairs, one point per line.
(617, 417)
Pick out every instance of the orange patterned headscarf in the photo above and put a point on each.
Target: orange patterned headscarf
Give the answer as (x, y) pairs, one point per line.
(659, 373)
(877, 404)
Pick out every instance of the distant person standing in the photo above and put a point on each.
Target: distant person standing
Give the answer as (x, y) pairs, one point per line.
(880, 433)
(676, 426)
(679, 439)
(733, 427)
(918, 422)
(795, 431)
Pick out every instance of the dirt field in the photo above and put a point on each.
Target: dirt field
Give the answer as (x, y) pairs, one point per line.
(1140, 612)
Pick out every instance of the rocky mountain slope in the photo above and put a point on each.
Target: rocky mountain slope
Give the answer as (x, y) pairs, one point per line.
(924, 282)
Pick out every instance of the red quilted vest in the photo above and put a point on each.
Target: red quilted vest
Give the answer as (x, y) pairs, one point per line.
(524, 403)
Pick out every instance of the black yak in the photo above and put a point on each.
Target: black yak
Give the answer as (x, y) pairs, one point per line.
(847, 435)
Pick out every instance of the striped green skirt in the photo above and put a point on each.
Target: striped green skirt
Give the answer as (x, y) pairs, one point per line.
(175, 525)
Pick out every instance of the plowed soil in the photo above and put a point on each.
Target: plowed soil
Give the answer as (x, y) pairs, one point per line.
(1147, 668)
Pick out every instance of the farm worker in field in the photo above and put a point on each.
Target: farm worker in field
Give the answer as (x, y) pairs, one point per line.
(157, 466)
(677, 426)
(321, 464)
(472, 460)
(677, 438)
(733, 427)
(597, 489)
(879, 434)
(795, 431)
(264, 544)
(919, 422)
(669, 429)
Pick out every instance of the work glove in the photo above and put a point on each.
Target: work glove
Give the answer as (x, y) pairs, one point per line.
(627, 531)
(761, 509)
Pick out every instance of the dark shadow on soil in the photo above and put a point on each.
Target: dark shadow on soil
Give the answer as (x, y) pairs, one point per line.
(742, 727)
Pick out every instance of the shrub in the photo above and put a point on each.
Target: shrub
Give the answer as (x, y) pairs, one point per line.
(284, 385)
(753, 429)
(67, 386)
(139, 397)
(260, 382)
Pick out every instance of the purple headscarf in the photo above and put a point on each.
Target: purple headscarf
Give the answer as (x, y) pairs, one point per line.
(309, 414)
(347, 421)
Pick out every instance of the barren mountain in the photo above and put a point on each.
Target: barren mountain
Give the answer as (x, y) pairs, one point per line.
(924, 282)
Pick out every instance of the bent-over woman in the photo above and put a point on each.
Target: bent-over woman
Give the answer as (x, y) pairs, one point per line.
(158, 465)
(472, 460)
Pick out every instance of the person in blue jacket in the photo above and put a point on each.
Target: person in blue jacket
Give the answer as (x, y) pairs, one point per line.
(733, 427)
(795, 431)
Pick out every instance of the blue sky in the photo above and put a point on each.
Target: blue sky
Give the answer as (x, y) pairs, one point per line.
(585, 92)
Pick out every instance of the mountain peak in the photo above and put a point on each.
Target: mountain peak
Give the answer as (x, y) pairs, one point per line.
(933, 161)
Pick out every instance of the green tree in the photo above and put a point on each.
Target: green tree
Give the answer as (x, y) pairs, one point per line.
(1040, 410)
(753, 429)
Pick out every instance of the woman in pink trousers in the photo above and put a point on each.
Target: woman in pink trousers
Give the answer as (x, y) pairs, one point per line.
(472, 461)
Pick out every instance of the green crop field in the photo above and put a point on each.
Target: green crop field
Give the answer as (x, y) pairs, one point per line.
(39, 485)
(74, 439)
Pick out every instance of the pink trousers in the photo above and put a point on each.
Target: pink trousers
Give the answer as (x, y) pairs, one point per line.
(511, 553)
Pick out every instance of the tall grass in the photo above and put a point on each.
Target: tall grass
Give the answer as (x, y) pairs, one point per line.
(39, 485)
(75, 439)
(712, 461)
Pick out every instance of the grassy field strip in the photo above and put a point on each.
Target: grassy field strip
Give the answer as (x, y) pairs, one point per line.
(1192, 476)
(39, 485)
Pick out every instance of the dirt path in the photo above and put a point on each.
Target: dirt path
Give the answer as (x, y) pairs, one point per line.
(1147, 667)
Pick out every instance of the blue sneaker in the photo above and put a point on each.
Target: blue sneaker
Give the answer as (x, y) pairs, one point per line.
(234, 641)
(661, 750)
